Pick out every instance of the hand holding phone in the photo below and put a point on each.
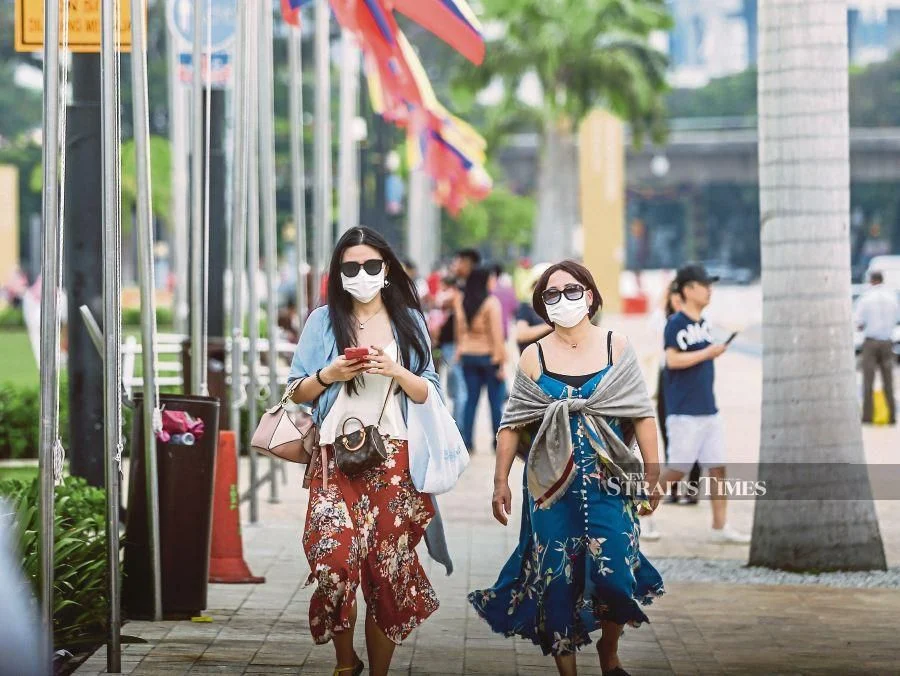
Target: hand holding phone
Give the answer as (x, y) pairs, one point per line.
(356, 353)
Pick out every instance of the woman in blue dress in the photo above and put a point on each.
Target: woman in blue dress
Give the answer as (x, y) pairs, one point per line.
(579, 402)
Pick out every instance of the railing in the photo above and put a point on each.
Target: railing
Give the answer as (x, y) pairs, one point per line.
(169, 365)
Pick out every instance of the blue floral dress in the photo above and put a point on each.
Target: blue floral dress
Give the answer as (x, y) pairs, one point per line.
(578, 561)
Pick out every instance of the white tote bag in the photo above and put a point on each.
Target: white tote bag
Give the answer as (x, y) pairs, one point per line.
(437, 453)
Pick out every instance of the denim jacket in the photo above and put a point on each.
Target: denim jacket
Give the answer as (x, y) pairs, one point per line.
(317, 349)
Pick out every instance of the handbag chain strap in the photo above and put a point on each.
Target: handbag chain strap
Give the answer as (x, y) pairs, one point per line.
(289, 391)
(386, 399)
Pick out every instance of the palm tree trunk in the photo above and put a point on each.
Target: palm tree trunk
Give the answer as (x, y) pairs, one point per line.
(558, 214)
(810, 413)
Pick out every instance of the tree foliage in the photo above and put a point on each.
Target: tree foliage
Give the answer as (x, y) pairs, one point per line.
(583, 54)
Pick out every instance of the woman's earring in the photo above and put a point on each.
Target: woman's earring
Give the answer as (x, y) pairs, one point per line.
(387, 283)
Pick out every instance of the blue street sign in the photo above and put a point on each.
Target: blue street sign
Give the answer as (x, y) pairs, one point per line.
(222, 12)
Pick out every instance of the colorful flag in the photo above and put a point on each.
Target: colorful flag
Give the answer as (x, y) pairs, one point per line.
(453, 21)
(290, 10)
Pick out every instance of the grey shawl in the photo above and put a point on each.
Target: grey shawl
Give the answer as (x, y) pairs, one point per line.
(621, 393)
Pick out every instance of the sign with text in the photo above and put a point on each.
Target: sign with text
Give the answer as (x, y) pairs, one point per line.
(84, 25)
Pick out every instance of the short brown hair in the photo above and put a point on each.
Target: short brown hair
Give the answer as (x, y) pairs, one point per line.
(579, 272)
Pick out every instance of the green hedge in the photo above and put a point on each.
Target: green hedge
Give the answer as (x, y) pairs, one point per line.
(11, 318)
(131, 317)
(20, 420)
(80, 595)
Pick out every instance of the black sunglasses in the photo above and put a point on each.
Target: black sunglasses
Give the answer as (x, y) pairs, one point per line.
(372, 267)
(552, 295)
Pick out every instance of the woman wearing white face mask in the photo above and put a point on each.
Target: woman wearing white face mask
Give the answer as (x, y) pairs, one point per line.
(577, 405)
(362, 528)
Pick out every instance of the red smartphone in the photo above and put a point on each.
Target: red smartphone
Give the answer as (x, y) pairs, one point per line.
(356, 353)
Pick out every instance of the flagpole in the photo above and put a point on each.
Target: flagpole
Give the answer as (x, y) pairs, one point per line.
(112, 316)
(239, 218)
(197, 314)
(266, 101)
(298, 162)
(252, 92)
(348, 160)
(49, 355)
(322, 204)
(144, 228)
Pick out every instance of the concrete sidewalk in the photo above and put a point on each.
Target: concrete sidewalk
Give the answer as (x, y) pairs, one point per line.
(696, 628)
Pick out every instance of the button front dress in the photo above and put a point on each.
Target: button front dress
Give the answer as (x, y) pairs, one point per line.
(578, 561)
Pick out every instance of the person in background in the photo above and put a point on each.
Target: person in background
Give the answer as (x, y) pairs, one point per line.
(503, 290)
(445, 339)
(412, 271)
(695, 430)
(530, 326)
(481, 350)
(289, 321)
(877, 315)
(671, 304)
(463, 263)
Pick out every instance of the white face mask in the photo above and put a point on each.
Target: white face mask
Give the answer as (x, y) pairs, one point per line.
(567, 313)
(364, 287)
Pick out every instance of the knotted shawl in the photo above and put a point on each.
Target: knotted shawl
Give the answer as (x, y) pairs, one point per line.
(621, 393)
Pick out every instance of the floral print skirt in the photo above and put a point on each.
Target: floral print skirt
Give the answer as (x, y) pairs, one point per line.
(363, 532)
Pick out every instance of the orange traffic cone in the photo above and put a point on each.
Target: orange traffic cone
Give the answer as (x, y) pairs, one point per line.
(226, 556)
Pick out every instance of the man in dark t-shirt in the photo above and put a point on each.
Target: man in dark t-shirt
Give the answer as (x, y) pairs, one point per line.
(693, 423)
(530, 328)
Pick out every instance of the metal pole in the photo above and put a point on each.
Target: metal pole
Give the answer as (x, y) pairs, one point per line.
(348, 160)
(144, 226)
(50, 274)
(267, 190)
(112, 412)
(298, 162)
(180, 216)
(322, 204)
(238, 218)
(253, 250)
(198, 367)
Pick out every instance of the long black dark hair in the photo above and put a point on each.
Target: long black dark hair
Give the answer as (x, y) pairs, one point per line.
(399, 297)
(475, 291)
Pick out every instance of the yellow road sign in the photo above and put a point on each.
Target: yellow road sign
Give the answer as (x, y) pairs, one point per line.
(84, 25)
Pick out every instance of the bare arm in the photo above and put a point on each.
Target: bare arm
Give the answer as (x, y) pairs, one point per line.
(495, 327)
(648, 442)
(525, 333)
(677, 360)
(501, 502)
(340, 370)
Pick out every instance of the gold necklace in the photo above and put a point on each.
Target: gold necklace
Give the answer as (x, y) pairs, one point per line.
(572, 345)
(361, 325)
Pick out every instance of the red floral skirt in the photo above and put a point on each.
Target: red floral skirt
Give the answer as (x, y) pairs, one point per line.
(364, 531)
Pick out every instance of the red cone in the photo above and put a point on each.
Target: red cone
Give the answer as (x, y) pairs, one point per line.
(226, 556)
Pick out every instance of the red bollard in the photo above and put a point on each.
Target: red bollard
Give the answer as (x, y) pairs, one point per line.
(226, 556)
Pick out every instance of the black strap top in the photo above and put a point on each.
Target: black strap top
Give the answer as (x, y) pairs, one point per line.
(575, 380)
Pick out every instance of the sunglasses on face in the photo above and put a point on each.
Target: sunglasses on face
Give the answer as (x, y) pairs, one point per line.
(372, 267)
(552, 295)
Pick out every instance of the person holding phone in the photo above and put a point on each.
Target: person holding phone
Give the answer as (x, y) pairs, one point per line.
(481, 349)
(693, 425)
(366, 351)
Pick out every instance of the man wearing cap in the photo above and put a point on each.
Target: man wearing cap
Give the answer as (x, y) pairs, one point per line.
(877, 314)
(693, 423)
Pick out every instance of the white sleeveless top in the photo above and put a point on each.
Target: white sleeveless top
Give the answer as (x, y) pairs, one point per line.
(366, 405)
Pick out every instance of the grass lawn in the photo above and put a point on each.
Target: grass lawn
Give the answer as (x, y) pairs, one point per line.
(17, 363)
(20, 473)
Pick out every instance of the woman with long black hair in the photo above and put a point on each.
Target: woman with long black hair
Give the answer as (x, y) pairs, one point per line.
(362, 530)
(481, 349)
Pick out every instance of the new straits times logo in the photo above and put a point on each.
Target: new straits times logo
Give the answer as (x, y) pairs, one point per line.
(634, 485)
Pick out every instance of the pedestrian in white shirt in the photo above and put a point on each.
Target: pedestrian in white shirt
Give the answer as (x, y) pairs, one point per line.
(877, 315)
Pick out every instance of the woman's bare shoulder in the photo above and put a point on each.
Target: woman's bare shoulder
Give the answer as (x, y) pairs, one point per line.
(529, 362)
(619, 344)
